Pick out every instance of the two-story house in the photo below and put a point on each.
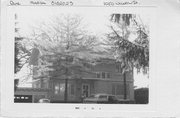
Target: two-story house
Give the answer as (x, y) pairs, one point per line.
(104, 77)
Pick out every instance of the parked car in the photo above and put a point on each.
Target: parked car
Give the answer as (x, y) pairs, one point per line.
(44, 100)
(101, 98)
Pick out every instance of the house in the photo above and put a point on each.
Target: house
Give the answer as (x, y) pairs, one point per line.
(104, 77)
(29, 95)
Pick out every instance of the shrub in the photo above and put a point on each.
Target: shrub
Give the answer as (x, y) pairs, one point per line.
(141, 95)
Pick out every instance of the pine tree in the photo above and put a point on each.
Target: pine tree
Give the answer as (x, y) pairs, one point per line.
(129, 53)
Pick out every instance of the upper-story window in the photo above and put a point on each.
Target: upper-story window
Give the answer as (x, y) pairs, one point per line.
(107, 75)
(98, 75)
(102, 75)
(118, 68)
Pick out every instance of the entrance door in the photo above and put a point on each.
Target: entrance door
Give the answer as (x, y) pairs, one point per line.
(85, 90)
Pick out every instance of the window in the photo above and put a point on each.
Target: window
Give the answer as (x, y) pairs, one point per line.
(112, 98)
(98, 75)
(62, 89)
(59, 88)
(118, 68)
(56, 88)
(85, 90)
(102, 96)
(108, 75)
(45, 83)
(102, 75)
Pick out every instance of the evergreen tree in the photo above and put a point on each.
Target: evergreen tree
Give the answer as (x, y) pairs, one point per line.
(130, 53)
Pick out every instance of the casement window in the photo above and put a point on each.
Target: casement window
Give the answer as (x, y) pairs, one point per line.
(118, 68)
(56, 88)
(59, 88)
(102, 75)
(98, 75)
(44, 83)
(108, 75)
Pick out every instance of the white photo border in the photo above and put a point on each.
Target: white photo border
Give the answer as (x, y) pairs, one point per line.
(9, 108)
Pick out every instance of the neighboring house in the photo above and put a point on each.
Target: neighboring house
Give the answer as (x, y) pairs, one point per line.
(104, 77)
(29, 95)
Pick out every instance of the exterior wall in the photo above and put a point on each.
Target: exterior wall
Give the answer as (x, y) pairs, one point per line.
(36, 93)
(97, 85)
(111, 68)
(107, 86)
(131, 87)
(41, 83)
(60, 96)
(52, 94)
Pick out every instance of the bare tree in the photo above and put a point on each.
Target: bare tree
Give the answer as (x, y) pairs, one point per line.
(65, 47)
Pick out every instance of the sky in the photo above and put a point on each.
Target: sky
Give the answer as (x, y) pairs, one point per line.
(95, 20)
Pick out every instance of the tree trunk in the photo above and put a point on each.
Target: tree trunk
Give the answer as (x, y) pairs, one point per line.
(66, 90)
(125, 88)
(66, 83)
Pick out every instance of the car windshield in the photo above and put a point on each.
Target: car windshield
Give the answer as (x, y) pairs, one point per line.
(103, 96)
(93, 96)
(46, 101)
(112, 98)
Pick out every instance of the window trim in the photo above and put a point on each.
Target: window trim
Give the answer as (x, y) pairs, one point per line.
(100, 75)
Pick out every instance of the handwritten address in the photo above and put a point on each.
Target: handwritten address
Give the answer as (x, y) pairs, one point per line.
(120, 3)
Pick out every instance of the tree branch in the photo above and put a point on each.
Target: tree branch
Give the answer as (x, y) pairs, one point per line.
(124, 39)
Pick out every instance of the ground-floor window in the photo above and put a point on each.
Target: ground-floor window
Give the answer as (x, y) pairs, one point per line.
(59, 89)
(85, 90)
